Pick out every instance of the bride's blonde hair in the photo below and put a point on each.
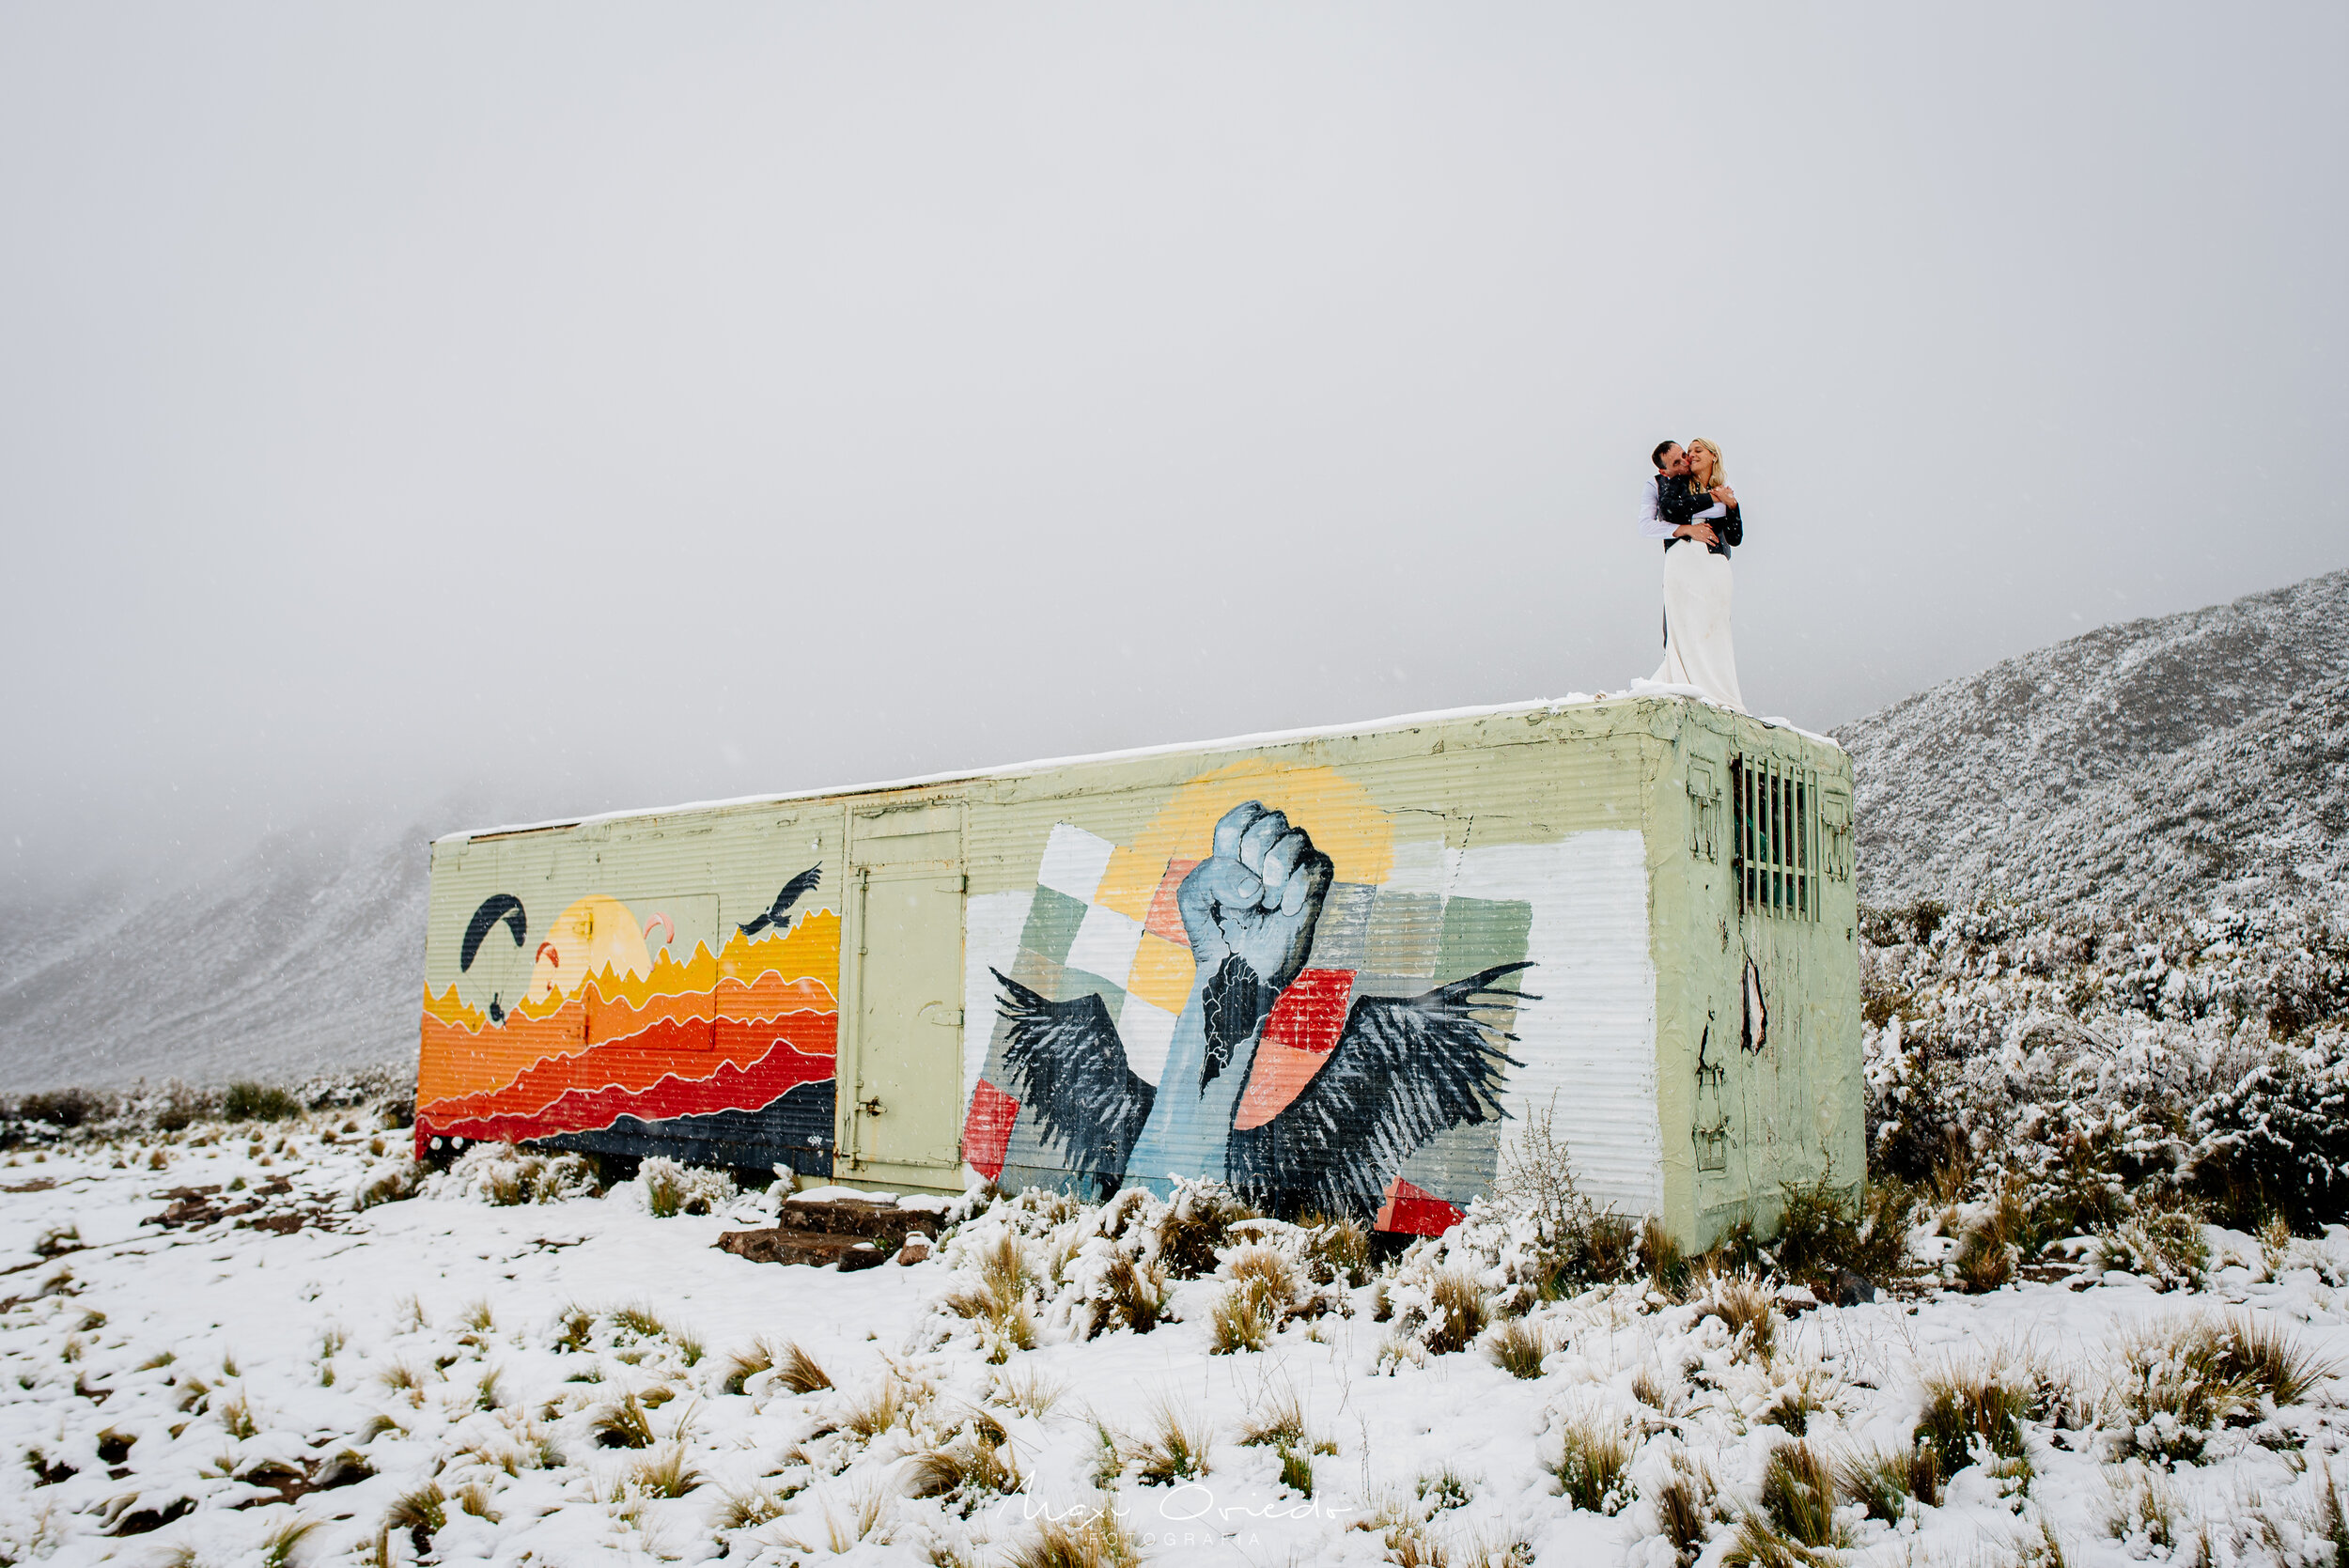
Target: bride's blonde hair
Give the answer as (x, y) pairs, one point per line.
(1720, 474)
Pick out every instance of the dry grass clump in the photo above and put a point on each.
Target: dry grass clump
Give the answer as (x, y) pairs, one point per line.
(1172, 1447)
(1280, 1424)
(1132, 1295)
(1826, 1230)
(1256, 1302)
(1749, 1311)
(623, 1424)
(2179, 1383)
(747, 1510)
(1593, 1464)
(797, 1371)
(1197, 1224)
(1685, 1508)
(966, 1472)
(1339, 1250)
(420, 1513)
(1094, 1540)
(1518, 1348)
(390, 1185)
(1799, 1495)
(1883, 1481)
(1971, 1412)
(1662, 1258)
(869, 1415)
(999, 1303)
(668, 1472)
(671, 1189)
(1030, 1392)
(1457, 1313)
(2161, 1240)
(744, 1364)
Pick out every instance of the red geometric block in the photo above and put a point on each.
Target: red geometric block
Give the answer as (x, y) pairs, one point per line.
(987, 1131)
(1164, 919)
(1410, 1211)
(1311, 1013)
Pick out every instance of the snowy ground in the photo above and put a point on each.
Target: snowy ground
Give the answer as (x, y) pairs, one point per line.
(191, 1379)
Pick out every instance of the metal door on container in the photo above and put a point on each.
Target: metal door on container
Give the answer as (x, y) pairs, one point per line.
(903, 1119)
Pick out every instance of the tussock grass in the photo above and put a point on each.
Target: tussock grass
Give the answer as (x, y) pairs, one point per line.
(1970, 1411)
(1883, 1481)
(1518, 1348)
(640, 1321)
(474, 1498)
(869, 1415)
(1592, 1463)
(967, 1471)
(1030, 1392)
(420, 1513)
(279, 1546)
(1456, 1311)
(1195, 1227)
(1173, 1446)
(1684, 1508)
(1340, 1249)
(1280, 1423)
(667, 1473)
(749, 1509)
(1133, 1296)
(1662, 1258)
(623, 1424)
(1095, 1539)
(1749, 1311)
(798, 1372)
(1798, 1493)
(1243, 1318)
(236, 1415)
(2177, 1382)
(744, 1364)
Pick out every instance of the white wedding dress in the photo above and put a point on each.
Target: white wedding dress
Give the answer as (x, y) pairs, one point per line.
(1697, 650)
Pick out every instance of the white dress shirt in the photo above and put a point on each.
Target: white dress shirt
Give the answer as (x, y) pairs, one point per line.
(1652, 524)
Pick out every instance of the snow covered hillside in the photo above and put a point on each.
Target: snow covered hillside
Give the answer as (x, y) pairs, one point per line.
(343, 1370)
(305, 955)
(2153, 763)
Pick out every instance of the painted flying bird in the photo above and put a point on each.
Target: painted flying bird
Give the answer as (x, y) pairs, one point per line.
(793, 890)
(1404, 1068)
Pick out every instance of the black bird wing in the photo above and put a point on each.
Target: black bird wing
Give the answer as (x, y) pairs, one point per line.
(1068, 1066)
(1404, 1069)
(797, 889)
(793, 890)
(497, 907)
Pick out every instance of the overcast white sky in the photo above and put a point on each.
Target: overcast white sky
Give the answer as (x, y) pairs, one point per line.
(578, 406)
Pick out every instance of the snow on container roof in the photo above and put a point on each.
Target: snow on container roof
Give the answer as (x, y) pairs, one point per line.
(1639, 691)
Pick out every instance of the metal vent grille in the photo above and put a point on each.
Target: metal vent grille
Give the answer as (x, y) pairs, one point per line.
(1779, 849)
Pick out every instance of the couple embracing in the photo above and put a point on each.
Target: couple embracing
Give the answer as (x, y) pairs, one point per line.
(1688, 503)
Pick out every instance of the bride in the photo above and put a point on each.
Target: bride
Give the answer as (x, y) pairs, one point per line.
(1697, 647)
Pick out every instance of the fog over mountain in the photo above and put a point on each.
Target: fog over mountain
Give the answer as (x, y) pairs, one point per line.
(2170, 761)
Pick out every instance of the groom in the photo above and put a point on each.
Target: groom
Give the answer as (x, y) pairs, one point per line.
(1668, 509)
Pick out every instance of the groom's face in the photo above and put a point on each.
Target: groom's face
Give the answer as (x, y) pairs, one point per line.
(1676, 464)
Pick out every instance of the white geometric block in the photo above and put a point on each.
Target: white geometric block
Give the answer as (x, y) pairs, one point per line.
(1074, 860)
(1106, 944)
(1147, 1031)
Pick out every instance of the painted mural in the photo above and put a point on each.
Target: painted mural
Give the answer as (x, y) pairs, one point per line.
(638, 1027)
(1297, 998)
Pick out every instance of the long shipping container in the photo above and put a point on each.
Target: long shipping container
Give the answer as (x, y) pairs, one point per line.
(1334, 970)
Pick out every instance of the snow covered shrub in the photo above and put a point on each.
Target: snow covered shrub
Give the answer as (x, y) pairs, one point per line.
(1827, 1229)
(671, 1189)
(502, 1176)
(2160, 1242)
(388, 1183)
(246, 1101)
(1799, 1495)
(2276, 1139)
(1171, 1448)
(1194, 1224)
(1685, 1506)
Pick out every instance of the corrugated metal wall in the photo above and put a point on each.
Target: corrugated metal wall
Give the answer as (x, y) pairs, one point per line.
(1026, 972)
